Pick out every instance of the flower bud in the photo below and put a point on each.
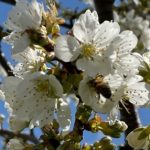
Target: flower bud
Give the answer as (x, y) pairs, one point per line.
(135, 142)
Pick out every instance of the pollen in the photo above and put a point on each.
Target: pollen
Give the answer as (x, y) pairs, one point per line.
(88, 50)
(43, 86)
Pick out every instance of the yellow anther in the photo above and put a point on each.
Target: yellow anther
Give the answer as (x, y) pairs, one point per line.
(88, 50)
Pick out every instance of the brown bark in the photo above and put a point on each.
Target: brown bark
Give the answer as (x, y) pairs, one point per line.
(5, 64)
(8, 135)
(104, 9)
(12, 2)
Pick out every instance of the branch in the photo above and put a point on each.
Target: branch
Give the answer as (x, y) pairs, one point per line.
(5, 65)
(104, 9)
(26, 137)
(12, 2)
(130, 118)
(3, 61)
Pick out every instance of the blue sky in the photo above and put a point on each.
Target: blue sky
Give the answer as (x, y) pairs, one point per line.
(72, 4)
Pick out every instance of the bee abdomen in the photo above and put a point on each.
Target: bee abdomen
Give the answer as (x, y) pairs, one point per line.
(104, 90)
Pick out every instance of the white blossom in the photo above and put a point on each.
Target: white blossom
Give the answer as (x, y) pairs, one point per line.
(30, 60)
(122, 59)
(139, 26)
(138, 93)
(37, 92)
(24, 16)
(144, 61)
(97, 101)
(89, 43)
(122, 88)
(135, 23)
(135, 90)
(146, 58)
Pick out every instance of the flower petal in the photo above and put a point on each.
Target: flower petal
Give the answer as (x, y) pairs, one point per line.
(86, 26)
(67, 48)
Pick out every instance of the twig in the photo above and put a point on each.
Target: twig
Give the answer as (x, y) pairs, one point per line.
(104, 9)
(5, 64)
(26, 137)
(131, 119)
(12, 2)
(3, 61)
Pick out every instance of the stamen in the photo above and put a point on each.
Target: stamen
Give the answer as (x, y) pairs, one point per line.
(45, 87)
(88, 50)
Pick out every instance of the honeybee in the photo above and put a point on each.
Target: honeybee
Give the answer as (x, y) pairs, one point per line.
(101, 86)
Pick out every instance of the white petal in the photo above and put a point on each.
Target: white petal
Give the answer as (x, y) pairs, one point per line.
(19, 41)
(21, 44)
(86, 26)
(64, 115)
(130, 80)
(88, 94)
(138, 93)
(17, 124)
(106, 33)
(67, 48)
(127, 65)
(24, 15)
(9, 88)
(31, 18)
(134, 142)
(103, 105)
(114, 80)
(56, 85)
(113, 115)
(92, 67)
(146, 38)
(46, 109)
(12, 37)
(124, 43)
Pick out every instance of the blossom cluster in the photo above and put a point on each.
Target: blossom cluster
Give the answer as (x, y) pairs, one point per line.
(93, 64)
(140, 27)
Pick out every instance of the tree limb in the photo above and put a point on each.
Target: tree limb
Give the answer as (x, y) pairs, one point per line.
(104, 9)
(130, 118)
(5, 64)
(26, 137)
(12, 2)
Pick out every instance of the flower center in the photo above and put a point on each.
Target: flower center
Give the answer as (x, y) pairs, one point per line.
(45, 87)
(88, 50)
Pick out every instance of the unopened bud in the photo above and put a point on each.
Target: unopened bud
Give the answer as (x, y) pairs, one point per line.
(135, 142)
(55, 29)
